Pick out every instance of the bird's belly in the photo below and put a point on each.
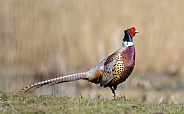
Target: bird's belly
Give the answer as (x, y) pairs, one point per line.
(121, 76)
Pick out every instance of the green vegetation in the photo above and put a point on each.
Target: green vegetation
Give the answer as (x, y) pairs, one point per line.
(29, 103)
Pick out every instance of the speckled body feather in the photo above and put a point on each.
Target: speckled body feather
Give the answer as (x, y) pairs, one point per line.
(124, 64)
(110, 72)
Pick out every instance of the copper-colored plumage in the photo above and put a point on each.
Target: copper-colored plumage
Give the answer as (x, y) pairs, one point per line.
(97, 76)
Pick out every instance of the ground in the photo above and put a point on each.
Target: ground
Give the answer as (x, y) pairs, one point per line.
(31, 103)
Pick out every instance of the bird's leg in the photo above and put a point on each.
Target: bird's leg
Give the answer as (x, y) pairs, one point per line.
(114, 94)
(113, 91)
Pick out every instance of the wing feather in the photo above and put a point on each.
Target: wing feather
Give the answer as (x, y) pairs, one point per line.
(108, 73)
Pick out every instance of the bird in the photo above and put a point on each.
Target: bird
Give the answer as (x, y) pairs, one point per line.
(110, 72)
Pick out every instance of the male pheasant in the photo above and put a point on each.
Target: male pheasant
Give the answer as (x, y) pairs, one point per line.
(110, 72)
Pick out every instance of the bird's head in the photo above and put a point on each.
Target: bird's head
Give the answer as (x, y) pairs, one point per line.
(132, 31)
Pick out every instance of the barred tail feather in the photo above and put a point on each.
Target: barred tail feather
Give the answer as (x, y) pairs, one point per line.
(53, 81)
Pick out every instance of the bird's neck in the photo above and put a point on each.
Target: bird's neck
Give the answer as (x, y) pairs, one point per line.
(127, 43)
(127, 40)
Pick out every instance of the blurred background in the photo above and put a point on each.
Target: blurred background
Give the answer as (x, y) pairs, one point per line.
(40, 40)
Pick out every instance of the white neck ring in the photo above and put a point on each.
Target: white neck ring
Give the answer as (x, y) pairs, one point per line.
(128, 43)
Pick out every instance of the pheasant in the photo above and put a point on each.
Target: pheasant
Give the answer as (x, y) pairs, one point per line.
(110, 72)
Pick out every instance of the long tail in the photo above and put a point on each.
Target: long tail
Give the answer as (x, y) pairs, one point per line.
(53, 81)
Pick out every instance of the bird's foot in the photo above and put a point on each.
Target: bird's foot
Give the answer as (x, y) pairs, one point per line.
(81, 96)
(114, 96)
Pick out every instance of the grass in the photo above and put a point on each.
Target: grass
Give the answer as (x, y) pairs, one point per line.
(30, 103)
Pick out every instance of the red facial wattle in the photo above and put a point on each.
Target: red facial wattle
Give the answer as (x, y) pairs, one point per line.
(132, 31)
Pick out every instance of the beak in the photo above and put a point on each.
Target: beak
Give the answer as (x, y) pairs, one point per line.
(136, 31)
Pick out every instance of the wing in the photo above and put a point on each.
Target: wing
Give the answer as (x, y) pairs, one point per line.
(108, 73)
(118, 66)
(109, 67)
(103, 72)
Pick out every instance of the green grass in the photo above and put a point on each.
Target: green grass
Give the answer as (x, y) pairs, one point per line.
(29, 103)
